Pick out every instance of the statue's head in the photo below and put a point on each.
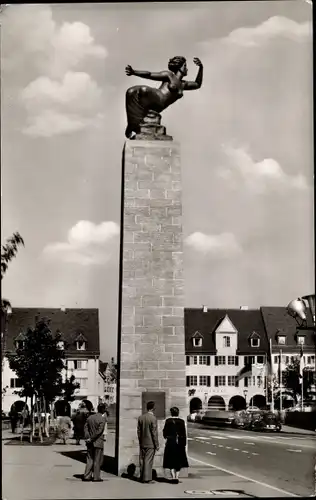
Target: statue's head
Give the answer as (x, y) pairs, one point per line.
(178, 63)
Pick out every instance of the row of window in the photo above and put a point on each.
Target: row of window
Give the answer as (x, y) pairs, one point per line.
(16, 384)
(254, 342)
(310, 360)
(77, 364)
(281, 339)
(222, 380)
(222, 360)
(80, 345)
(197, 342)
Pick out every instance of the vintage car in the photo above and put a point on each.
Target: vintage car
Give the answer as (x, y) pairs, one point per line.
(265, 421)
(218, 417)
(196, 416)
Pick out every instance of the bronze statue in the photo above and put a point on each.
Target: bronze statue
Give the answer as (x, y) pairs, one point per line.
(142, 99)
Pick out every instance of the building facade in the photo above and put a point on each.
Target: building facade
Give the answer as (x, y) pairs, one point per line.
(108, 374)
(287, 341)
(79, 330)
(219, 343)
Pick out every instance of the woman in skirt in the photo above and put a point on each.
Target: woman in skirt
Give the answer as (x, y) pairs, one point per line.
(175, 457)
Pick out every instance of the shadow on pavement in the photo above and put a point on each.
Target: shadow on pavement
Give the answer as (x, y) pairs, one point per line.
(109, 463)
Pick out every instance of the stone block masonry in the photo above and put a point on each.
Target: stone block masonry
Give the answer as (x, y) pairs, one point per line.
(151, 344)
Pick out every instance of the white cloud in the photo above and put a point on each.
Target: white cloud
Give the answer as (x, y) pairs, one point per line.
(58, 107)
(276, 26)
(223, 245)
(53, 49)
(242, 170)
(87, 243)
(63, 98)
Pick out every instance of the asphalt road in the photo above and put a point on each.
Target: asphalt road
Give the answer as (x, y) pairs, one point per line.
(283, 460)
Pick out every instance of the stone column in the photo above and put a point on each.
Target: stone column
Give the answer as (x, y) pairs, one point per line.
(151, 345)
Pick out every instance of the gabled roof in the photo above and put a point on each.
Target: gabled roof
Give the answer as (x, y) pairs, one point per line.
(254, 335)
(71, 323)
(245, 321)
(278, 322)
(226, 326)
(197, 335)
(81, 338)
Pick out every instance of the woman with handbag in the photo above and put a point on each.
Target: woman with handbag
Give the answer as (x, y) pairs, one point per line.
(175, 457)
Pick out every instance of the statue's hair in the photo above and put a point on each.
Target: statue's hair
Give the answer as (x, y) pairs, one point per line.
(175, 63)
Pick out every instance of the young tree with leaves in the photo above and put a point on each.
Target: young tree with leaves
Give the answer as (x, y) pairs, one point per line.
(293, 380)
(8, 252)
(38, 363)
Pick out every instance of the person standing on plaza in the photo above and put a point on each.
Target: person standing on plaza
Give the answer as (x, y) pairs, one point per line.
(175, 457)
(148, 442)
(94, 436)
(14, 417)
(79, 421)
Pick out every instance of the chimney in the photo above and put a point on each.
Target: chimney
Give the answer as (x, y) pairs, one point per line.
(244, 308)
(204, 309)
(63, 309)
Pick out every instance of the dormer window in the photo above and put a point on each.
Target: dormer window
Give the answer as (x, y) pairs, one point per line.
(81, 345)
(255, 342)
(254, 339)
(281, 339)
(19, 341)
(197, 339)
(197, 342)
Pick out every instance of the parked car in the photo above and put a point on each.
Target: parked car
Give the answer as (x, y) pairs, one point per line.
(241, 419)
(199, 415)
(265, 421)
(196, 416)
(218, 417)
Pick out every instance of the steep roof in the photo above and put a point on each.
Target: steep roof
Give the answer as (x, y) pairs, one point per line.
(276, 319)
(70, 322)
(245, 321)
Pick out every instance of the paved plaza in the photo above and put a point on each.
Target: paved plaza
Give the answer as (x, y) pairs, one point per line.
(54, 472)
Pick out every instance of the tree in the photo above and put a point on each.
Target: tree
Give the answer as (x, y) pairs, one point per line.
(69, 388)
(8, 252)
(293, 380)
(38, 363)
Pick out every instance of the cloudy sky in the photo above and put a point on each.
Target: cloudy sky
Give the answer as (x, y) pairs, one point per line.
(246, 147)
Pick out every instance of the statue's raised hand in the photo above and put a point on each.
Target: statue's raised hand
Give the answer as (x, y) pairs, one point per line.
(197, 61)
(129, 70)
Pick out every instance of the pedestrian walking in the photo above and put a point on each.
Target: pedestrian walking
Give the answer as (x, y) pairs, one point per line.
(63, 428)
(14, 417)
(148, 442)
(79, 421)
(94, 436)
(175, 457)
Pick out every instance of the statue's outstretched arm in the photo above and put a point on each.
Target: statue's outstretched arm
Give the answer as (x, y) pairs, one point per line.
(162, 76)
(199, 77)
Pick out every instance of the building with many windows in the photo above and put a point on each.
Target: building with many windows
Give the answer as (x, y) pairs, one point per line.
(108, 374)
(219, 343)
(79, 330)
(223, 343)
(286, 341)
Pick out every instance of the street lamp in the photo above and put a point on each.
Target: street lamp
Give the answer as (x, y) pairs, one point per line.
(297, 309)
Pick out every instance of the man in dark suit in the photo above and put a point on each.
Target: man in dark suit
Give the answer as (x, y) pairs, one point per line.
(148, 442)
(93, 434)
